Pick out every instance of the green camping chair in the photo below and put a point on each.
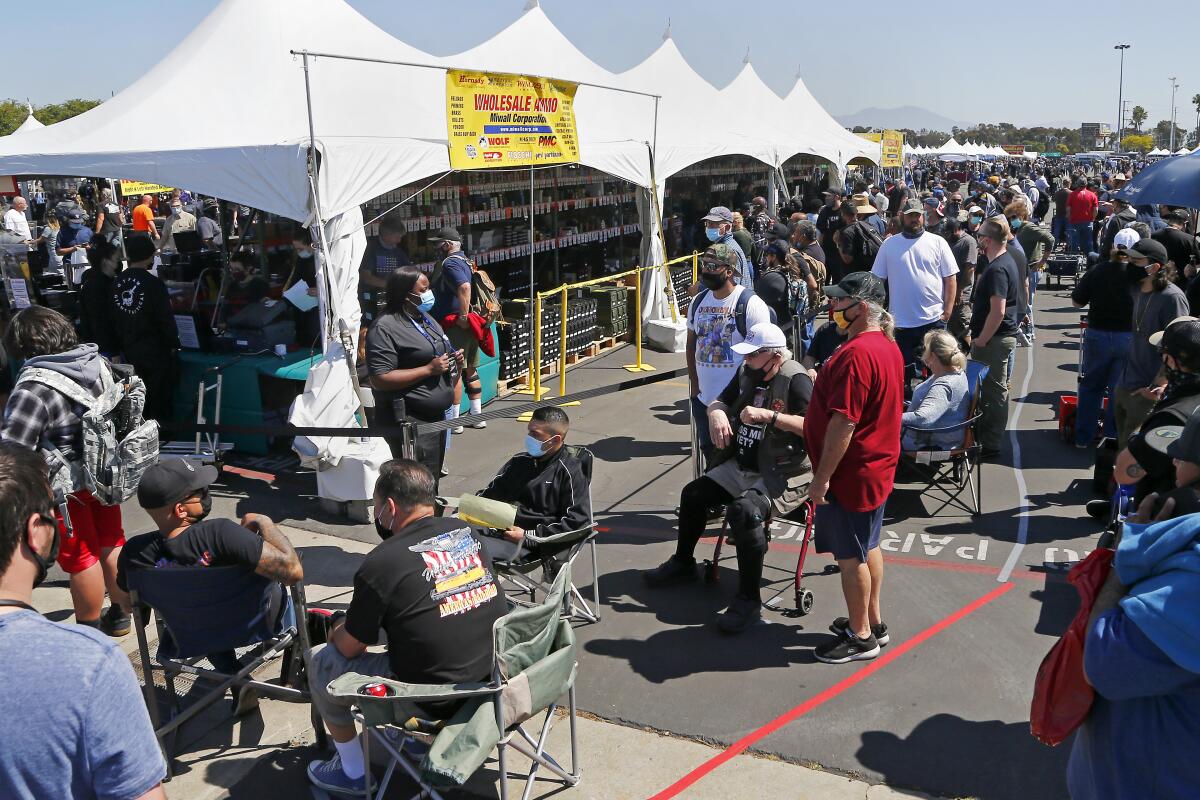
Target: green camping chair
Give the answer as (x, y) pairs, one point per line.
(534, 667)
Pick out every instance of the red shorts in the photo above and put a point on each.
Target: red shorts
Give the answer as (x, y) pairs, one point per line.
(96, 526)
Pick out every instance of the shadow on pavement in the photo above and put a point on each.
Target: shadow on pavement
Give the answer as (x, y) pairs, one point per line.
(987, 760)
(627, 448)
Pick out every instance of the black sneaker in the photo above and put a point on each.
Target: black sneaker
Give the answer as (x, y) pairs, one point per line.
(1099, 509)
(841, 626)
(847, 647)
(988, 454)
(741, 614)
(673, 570)
(115, 622)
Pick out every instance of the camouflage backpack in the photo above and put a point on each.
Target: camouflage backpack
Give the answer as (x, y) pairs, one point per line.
(118, 444)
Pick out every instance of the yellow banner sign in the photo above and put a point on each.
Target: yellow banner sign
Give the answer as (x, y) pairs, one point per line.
(870, 137)
(129, 188)
(892, 149)
(501, 120)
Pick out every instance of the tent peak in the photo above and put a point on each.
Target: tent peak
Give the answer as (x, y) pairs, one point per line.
(532, 4)
(746, 60)
(667, 33)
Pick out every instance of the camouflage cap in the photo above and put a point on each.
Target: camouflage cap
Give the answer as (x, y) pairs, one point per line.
(722, 253)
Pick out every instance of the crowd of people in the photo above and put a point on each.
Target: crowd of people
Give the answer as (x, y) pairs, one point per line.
(914, 276)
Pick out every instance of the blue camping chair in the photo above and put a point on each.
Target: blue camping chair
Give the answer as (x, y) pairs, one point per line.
(959, 469)
(206, 610)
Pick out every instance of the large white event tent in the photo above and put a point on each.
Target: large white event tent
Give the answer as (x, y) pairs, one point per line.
(30, 124)
(377, 126)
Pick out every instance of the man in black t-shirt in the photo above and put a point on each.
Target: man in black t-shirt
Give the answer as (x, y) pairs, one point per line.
(1106, 291)
(431, 589)
(1181, 245)
(175, 494)
(996, 304)
(145, 327)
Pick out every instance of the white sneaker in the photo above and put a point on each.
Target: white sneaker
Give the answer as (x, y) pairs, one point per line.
(458, 429)
(479, 424)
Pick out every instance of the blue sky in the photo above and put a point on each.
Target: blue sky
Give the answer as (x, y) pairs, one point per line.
(875, 58)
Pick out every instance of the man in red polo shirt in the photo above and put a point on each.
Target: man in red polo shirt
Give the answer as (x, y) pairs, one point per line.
(1081, 212)
(852, 433)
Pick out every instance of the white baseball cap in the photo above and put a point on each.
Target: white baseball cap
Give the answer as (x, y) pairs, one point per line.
(1126, 238)
(762, 336)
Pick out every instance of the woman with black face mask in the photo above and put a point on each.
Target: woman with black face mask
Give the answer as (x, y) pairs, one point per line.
(412, 366)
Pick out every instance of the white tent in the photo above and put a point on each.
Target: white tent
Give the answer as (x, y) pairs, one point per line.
(30, 124)
(803, 112)
(1183, 151)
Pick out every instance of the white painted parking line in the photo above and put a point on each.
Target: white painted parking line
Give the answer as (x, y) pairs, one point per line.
(1014, 423)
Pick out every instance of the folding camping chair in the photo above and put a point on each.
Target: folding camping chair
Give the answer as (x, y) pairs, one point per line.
(960, 468)
(203, 610)
(534, 666)
(566, 547)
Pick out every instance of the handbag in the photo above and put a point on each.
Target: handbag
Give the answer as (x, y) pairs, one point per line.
(1062, 696)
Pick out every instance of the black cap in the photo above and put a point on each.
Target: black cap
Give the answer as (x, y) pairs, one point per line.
(779, 249)
(139, 248)
(778, 230)
(445, 235)
(859, 285)
(172, 480)
(1152, 250)
(1180, 339)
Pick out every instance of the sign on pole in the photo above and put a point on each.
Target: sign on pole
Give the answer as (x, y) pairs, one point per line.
(129, 188)
(502, 120)
(891, 149)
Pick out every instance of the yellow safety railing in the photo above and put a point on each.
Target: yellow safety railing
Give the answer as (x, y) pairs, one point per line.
(534, 383)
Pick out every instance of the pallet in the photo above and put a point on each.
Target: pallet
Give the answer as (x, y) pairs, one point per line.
(594, 350)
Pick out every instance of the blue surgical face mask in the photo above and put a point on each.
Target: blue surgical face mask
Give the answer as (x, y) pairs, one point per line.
(976, 220)
(1014, 223)
(426, 300)
(535, 447)
(712, 233)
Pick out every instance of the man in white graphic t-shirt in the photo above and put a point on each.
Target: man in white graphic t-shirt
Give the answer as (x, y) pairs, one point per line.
(718, 318)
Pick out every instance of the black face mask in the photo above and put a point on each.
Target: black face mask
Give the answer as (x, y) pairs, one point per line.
(44, 563)
(205, 507)
(1178, 380)
(1135, 272)
(713, 282)
(383, 532)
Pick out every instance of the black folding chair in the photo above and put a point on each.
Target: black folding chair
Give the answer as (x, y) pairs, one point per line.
(955, 470)
(203, 610)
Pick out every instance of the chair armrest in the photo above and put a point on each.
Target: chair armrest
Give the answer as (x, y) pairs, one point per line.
(948, 429)
(347, 685)
(579, 533)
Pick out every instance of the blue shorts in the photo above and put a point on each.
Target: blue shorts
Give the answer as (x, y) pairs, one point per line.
(847, 534)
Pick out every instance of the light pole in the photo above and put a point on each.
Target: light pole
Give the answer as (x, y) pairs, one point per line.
(1120, 96)
(1174, 86)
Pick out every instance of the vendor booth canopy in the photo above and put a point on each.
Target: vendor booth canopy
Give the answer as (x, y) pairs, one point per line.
(30, 124)
(803, 112)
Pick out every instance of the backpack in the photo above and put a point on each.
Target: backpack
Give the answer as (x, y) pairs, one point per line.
(484, 300)
(118, 444)
(1043, 205)
(739, 308)
(869, 243)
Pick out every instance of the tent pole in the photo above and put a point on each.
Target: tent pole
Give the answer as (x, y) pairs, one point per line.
(316, 190)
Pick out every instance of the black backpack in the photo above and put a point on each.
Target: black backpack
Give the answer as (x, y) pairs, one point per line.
(739, 308)
(868, 244)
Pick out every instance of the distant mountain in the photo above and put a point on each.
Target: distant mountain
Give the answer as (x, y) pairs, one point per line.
(912, 117)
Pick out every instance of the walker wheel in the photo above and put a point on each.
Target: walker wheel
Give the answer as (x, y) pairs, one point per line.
(804, 602)
(831, 569)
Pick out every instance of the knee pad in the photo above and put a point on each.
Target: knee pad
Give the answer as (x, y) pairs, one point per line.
(747, 517)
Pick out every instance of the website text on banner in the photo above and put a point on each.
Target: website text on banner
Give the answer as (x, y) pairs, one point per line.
(500, 120)
(561, 295)
(131, 188)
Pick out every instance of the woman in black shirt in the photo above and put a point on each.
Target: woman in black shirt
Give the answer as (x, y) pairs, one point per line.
(412, 365)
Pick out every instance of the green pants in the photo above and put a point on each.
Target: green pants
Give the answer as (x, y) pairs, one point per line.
(1132, 410)
(993, 398)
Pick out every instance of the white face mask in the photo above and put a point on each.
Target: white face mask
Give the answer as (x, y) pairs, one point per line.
(176, 210)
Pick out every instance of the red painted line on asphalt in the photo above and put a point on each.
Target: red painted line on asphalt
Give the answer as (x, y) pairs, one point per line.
(249, 473)
(869, 669)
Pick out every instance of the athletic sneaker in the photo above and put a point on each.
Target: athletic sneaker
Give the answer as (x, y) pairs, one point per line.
(741, 614)
(847, 647)
(673, 570)
(841, 625)
(478, 424)
(115, 622)
(457, 429)
(328, 775)
(1022, 339)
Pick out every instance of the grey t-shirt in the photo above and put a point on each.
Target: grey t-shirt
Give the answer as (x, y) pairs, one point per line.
(83, 728)
(1152, 312)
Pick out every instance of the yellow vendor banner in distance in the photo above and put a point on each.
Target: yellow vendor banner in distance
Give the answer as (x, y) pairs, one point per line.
(129, 188)
(500, 120)
(892, 149)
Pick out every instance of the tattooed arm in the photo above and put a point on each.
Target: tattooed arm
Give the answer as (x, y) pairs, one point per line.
(1127, 469)
(279, 560)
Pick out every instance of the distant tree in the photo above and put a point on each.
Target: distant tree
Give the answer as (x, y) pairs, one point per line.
(1141, 142)
(13, 113)
(1137, 118)
(1162, 134)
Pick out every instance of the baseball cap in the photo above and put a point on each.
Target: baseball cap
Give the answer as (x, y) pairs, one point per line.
(1151, 250)
(1181, 339)
(761, 336)
(1126, 238)
(779, 249)
(723, 254)
(860, 285)
(74, 215)
(1178, 441)
(1179, 215)
(778, 230)
(934, 202)
(719, 214)
(138, 249)
(975, 210)
(172, 480)
(445, 235)
(911, 206)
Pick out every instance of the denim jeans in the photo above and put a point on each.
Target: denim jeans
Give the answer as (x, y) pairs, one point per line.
(1101, 361)
(1058, 226)
(1079, 237)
